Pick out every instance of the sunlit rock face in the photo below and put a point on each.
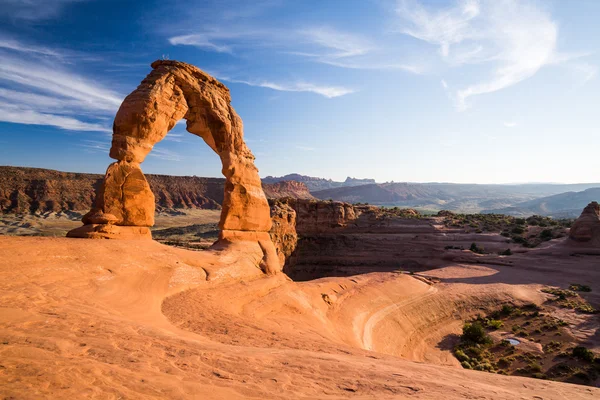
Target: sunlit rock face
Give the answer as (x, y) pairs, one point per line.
(171, 92)
(586, 229)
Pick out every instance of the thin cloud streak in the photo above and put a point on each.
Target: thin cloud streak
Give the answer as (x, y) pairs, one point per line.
(33, 10)
(325, 91)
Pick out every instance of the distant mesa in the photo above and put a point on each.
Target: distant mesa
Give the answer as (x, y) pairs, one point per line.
(124, 206)
(586, 229)
(315, 184)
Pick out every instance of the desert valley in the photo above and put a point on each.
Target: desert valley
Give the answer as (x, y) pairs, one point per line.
(144, 255)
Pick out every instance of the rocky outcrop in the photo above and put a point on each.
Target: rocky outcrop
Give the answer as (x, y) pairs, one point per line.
(172, 91)
(293, 189)
(314, 216)
(283, 232)
(586, 229)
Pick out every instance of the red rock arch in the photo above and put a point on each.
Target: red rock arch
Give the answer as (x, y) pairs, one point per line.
(171, 92)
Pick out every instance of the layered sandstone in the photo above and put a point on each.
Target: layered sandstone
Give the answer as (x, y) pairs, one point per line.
(586, 229)
(26, 190)
(172, 91)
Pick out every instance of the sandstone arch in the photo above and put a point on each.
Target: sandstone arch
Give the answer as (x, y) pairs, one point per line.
(172, 91)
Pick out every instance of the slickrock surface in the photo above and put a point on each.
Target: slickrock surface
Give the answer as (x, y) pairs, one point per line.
(139, 320)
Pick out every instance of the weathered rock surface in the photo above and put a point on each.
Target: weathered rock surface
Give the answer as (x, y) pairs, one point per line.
(315, 216)
(586, 229)
(126, 195)
(283, 231)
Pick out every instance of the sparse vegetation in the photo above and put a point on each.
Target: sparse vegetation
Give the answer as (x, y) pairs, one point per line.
(579, 288)
(570, 299)
(558, 361)
(476, 249)
(524, 231)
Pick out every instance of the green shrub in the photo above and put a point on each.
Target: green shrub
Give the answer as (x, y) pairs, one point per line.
(506, 252)
(580, 288)
(466, 365)
(535, 367)
(546, 234)
(583, 353)
(494, 324)
(475, 333)
(476, 249)
(461, 356)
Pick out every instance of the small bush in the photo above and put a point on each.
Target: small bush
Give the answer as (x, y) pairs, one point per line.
(466, 365)
(475, 333)
(580, 288)
(583, 353)
(494, 324)
(506, 252)
(546, 234)
(476, 249)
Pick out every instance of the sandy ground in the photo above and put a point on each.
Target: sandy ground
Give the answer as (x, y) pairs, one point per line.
(58, 224)
(132, 319)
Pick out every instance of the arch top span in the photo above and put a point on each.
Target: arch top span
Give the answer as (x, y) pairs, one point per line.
(173, 91)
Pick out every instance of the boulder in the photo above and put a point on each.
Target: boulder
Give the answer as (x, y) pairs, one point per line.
(586, 229)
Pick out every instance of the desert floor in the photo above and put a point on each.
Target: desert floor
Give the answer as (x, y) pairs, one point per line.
(138, 319)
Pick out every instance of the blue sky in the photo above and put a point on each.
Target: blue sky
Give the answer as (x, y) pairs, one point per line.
(404, 90)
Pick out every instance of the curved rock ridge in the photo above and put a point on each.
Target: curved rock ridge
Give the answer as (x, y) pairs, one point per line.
(172, 91)
(586, 229)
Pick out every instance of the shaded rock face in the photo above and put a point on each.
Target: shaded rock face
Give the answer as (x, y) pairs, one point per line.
(586, 229)
(314, 216)
(172, 91)
(283, 231)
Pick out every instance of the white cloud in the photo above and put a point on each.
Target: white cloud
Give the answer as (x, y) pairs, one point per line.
(200, 40)
(22, 115)
(11, 44)
(339, 44)
(323, 90)
(509, 124)
(515, 38)
(165, 154)
(38, 90)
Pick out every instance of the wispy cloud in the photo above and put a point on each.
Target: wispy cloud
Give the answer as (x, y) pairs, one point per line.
(510, 124)
(165, 154)
(304, 148)
(323, 90)
(515, 38)
(206, 41)
(35, 88)
(33, 10)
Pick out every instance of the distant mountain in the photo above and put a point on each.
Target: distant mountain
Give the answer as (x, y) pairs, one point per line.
(37, 190)
(563, 205)
(449, 196)
(314, 183)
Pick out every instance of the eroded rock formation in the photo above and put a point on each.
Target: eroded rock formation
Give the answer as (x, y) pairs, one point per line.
(586, 229)
(172, 91)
